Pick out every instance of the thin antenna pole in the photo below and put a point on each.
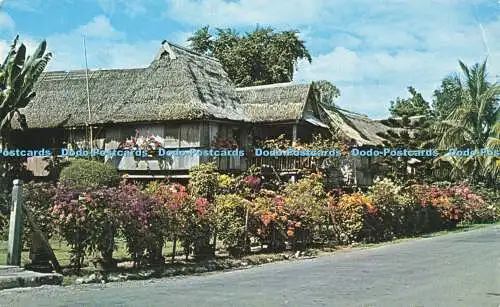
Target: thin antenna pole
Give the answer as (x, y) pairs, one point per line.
(89, 123)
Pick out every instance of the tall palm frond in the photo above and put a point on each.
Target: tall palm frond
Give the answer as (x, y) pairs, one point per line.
(471, 123)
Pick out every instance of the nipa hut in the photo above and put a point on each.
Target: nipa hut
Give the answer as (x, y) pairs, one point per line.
(184, 98)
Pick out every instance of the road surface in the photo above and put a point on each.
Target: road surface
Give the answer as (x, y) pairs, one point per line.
(460, 269)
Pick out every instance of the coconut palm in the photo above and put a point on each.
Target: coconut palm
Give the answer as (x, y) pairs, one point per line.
(471, 123)
(492, 162)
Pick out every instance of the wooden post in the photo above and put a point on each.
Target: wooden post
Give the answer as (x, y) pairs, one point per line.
(15, 225)
(245, 245)
(294, 135)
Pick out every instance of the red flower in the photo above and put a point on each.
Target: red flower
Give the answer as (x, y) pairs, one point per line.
(201, 206)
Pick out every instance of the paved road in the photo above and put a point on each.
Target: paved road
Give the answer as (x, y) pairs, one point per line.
(461, 269)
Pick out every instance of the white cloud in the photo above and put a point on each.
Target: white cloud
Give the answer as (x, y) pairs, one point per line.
(371, 51)
(100, 27)
(106, 48)
(244, 12)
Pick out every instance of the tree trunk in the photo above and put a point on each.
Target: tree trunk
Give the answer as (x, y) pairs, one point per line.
(174, 247)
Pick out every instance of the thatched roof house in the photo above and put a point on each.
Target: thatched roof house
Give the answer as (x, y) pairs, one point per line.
(187, 98)
(177, 85)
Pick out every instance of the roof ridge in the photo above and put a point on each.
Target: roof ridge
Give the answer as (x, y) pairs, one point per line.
(353, 113)
(188, 50)
(92, 70)
(273, 85)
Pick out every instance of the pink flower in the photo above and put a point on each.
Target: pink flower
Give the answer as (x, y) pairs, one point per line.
(201, 205)
(252, 181)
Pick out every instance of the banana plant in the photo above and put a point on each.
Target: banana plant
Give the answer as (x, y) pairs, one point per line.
(18, 75)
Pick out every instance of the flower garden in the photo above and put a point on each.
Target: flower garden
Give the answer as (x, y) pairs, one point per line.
(218, 213)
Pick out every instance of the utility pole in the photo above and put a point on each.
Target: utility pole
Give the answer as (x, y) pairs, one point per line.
(89, 120)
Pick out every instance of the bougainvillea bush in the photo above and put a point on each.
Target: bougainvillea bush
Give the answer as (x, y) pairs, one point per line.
(396, 210)
(237, 209)
(200, 226)
(86, 220)
(38, 200)
(355, 218)
(231, 215)
(174, 201)
(142, 223)
(475, 209)
(270, 220)
(306, 202)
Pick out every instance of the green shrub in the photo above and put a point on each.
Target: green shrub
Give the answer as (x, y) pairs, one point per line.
(204, 181)
(83, 174)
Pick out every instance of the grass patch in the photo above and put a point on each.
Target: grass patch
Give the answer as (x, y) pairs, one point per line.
(62, 251)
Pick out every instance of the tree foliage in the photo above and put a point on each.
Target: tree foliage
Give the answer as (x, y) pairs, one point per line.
(327, 92)
(413, 106)
(446, 96)
(263, 56)
(410, 134)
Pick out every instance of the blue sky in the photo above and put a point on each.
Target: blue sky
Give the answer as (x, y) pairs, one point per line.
(372, 50)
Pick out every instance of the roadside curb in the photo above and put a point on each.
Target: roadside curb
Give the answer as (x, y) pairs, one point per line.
(16, 277)
(210, 266)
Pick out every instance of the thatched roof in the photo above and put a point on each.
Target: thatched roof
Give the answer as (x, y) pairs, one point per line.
(291, 102)
(366, 127)
(275, 102)
(179, 84)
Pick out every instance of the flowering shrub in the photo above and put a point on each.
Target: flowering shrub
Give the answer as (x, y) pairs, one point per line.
(393, 207)
(200, 224)
(306, 203)
(38, 199)
(231, 214)
(474, 207)
(355, 218)
(86, 221)
(173, 199)
(270, 221)
(146, 143)
(226, 184)
(437, 209)
(142, 223)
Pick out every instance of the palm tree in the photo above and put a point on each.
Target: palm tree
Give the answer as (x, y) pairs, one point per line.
(492, 163)
(471, 123)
